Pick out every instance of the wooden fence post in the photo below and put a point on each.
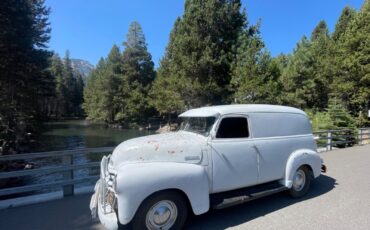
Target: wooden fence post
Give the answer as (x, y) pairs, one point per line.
(68, 190)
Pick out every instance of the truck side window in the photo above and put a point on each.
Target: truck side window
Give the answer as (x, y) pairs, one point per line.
(233, 127)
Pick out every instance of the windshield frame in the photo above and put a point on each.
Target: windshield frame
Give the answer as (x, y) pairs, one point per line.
(209, 121)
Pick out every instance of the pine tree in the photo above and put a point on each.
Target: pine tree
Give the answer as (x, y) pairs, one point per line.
(165, 94)
(103, 88)
(343, 85)
(321, 30)
(322, 49)
(256, 75)
(112, 82)
(309, 73)
(117, 90)
(354, 63)
(68, 88)
(78, 95)
(138, 71)
(135, 38)
(136, 57)
(200, 53)
(69, 84)
(298, 76)
(24, 79)
(93, 93)
(340, 117)
(56, 70)
(346, 17)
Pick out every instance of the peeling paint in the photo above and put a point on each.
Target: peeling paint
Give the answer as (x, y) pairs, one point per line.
(161, 147)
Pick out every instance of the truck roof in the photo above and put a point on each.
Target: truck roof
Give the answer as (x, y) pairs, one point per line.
(239, 108)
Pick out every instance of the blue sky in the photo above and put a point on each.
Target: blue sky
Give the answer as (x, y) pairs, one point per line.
(88, 29)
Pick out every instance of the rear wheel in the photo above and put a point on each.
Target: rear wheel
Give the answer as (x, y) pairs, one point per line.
(301, 182)
(164, 210)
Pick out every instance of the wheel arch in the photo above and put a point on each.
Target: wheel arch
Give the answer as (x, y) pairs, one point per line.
(136, 184)
(174, 190)
(299, 158)
(309, 167)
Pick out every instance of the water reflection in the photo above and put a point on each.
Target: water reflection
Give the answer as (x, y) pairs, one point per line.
(77, 134)
(81, 133)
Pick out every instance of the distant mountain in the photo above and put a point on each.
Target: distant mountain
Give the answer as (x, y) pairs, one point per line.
(82, 66)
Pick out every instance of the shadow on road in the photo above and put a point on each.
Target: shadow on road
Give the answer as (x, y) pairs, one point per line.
(221, 219)
(73, 212)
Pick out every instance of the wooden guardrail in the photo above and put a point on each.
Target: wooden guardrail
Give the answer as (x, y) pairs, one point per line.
(328, 139)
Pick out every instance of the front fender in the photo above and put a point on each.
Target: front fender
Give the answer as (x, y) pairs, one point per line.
(137, 181)
(299, 158)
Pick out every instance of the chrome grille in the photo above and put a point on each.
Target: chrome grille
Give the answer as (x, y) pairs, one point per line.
(107, 197)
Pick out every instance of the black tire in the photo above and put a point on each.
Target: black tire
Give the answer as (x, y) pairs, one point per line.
(139, 221)
(124, 226)
(297, 193)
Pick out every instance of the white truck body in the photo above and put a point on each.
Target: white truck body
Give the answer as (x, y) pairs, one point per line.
(277, 142)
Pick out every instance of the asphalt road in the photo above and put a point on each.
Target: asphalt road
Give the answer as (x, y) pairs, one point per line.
(339, 199)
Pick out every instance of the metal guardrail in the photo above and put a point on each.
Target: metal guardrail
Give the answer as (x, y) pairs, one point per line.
(341, 138)
(328, 139)
(67, 168)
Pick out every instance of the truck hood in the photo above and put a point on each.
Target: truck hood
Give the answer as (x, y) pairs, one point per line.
(178, 146)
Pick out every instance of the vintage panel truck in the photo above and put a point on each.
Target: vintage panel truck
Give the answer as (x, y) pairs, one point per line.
(220, 156)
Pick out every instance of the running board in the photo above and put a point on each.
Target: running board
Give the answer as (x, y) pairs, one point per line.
(227, 202)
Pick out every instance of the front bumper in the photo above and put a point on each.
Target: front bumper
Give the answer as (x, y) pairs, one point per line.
(99, 204)
(109, 220)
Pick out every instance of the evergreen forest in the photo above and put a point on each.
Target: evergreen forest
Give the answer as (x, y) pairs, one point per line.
(214, 56)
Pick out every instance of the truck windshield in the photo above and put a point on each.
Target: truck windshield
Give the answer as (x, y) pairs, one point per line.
(200, 125)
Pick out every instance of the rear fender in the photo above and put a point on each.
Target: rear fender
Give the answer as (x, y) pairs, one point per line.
(299, 158)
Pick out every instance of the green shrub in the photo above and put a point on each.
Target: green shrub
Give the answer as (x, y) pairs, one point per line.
(335, 117)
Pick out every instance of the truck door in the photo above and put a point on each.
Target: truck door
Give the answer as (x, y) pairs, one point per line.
(234, 157)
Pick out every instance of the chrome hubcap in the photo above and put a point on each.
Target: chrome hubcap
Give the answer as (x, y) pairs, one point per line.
(299, 180)
(162, 215)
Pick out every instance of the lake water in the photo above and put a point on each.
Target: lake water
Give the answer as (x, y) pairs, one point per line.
(80, 133)
(74, 134)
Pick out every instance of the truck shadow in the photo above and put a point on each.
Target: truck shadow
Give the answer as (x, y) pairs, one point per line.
(233, 216)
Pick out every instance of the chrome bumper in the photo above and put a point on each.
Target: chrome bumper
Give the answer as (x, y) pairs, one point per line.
(107, 187)
(103, 202)
(94, 202)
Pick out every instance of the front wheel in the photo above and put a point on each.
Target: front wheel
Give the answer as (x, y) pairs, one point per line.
(165, 210)
(301, 182)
